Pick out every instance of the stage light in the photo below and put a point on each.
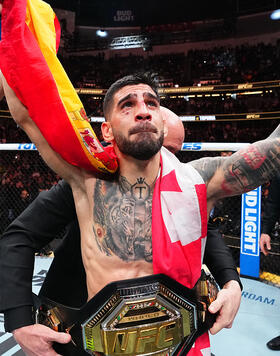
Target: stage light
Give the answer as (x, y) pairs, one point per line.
(102, 33)
(275, 15)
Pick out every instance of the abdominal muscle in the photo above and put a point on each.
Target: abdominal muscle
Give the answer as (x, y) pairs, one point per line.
(102, 270)
(116, 241)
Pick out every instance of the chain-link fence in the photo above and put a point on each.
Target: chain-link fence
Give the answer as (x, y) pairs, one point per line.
(24, 174)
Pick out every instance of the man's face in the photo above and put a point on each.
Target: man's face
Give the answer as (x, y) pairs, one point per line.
(136, 122)
(24, 194)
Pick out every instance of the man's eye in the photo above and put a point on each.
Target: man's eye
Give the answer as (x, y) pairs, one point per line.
(127, 104)
(152, 103)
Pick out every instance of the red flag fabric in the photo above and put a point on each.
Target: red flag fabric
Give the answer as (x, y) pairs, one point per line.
(179, 227)
(30, 38)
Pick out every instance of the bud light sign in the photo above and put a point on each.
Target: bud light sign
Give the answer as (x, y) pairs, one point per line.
(250, 233)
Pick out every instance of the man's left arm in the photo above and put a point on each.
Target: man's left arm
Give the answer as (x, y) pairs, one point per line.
(241, 172)
(220, 262)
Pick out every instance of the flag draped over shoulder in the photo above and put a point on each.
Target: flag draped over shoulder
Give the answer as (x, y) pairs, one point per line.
(179, 227)
(30, 39)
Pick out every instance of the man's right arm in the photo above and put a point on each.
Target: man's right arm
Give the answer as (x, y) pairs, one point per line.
(34, 228)
(21, 116)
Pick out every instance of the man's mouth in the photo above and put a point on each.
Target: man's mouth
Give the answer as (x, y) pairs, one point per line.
(143, 128)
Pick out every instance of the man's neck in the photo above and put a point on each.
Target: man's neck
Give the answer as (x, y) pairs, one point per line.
(132, 169)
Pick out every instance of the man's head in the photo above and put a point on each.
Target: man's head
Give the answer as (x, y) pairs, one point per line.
(176, 132)
(24, 194)
(133, 79)
(134, 122)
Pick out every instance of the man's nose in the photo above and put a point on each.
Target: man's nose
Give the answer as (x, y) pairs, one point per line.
(142, 113)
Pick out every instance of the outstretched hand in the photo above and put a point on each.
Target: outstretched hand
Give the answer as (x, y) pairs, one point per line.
(37, 340)
(226, 305)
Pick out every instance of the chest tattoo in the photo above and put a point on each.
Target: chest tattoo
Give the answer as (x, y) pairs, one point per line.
(122, 219)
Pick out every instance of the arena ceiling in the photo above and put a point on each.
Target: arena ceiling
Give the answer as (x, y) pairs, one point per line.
(139, 13)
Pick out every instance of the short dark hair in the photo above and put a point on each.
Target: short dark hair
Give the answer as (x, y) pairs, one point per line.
(133, 79)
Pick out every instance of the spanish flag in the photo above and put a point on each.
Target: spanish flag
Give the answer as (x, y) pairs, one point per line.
(28, 60)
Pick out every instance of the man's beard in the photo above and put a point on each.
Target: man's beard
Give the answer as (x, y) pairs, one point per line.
(143, 147)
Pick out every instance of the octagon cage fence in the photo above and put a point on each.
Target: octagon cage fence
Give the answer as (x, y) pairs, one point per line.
(24, 174)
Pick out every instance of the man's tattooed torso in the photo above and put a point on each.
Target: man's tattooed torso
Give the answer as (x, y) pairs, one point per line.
(122, 219)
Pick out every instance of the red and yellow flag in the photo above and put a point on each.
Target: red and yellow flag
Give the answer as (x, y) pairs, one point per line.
(28, 60)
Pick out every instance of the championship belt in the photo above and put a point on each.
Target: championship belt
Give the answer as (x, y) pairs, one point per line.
(153, 315)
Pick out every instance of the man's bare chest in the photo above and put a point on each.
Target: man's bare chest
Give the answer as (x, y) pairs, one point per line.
(122, 215)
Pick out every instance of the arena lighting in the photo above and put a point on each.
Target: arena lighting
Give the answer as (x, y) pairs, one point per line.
(251, 92)
(136, 41)
(101, 33)
(97, 119)
(275, 15)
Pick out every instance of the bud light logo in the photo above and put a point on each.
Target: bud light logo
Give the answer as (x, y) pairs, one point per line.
(250, 223)
(250, 233)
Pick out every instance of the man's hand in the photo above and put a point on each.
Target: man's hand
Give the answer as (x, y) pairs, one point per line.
(37, 340)
(226, 305)
(265, 244)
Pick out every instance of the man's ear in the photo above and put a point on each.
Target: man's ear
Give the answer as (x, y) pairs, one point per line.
(107, 131)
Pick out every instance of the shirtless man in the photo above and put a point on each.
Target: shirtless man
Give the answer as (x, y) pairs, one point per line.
(135, 127)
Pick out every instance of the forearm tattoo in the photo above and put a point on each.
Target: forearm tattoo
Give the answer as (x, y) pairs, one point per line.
(251, 167)
(244, 170)
(122, 218)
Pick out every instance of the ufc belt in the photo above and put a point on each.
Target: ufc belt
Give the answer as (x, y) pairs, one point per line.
(153, 315)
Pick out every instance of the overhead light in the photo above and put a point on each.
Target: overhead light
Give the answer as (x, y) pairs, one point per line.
(275, 15)
(101, 33)
(136, 41)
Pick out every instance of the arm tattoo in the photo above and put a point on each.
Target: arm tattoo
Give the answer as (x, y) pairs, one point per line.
(122, 219)
(251, 167)
(207, 166)
(244, 170)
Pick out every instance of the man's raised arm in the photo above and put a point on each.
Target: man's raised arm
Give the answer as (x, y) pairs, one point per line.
(243, 171)
(22, 118)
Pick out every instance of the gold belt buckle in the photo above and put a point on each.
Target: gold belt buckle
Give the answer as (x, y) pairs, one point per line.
(141, 326)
